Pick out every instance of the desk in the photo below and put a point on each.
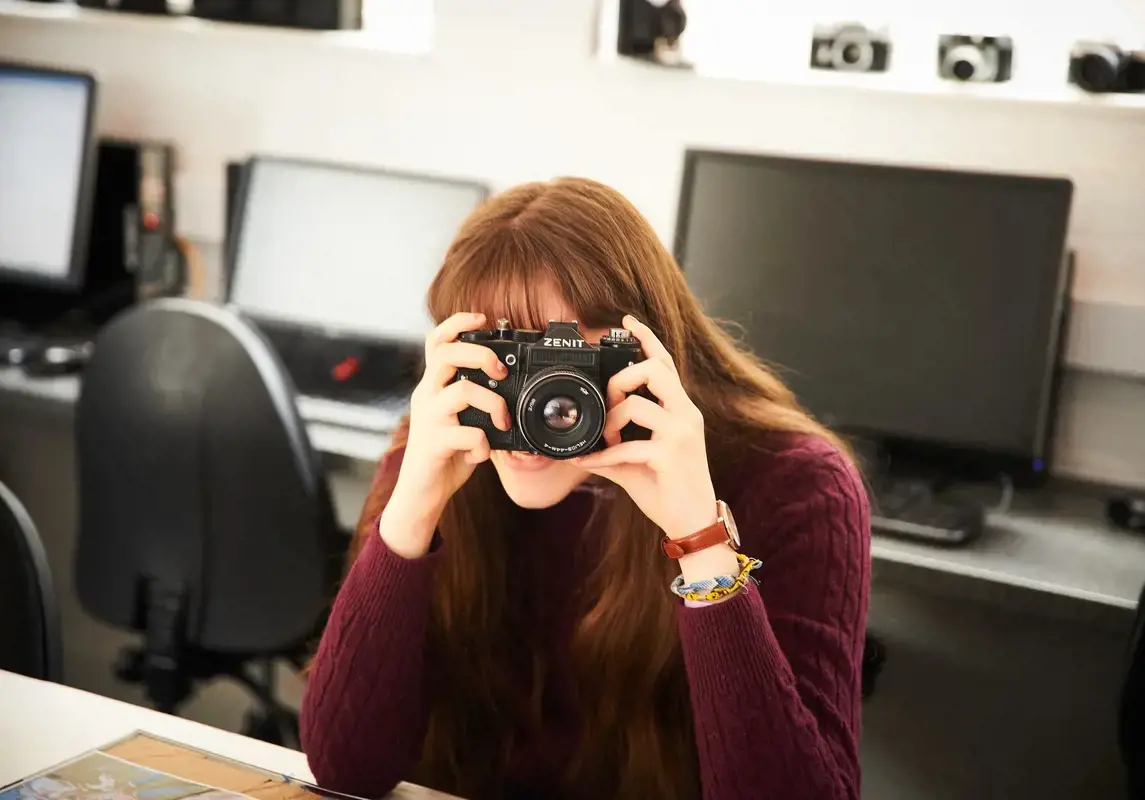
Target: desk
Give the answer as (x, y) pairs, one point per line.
(42, 724)
(326, 434)
(1053, 542)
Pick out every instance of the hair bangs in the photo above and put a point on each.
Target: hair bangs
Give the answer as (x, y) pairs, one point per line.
(516, 276)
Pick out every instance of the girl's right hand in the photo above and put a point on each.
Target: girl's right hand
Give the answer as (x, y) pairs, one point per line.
(440, 453)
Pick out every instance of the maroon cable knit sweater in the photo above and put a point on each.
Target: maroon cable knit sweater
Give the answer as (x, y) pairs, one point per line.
(774, 672)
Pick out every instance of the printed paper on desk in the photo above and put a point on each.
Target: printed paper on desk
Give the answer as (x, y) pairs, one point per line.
(209, 768)
(146, 767)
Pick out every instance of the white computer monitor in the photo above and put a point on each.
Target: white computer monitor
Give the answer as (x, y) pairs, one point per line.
(47, 168)
(345, 249)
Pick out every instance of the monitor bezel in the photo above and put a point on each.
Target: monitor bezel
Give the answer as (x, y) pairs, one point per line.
(1025, 468)
(236, 222)
(73, 280)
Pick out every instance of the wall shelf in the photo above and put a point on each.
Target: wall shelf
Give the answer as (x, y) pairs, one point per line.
(1064, 98)
(384, 39)
(776, 54)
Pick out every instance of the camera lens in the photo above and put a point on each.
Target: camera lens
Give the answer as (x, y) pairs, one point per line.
(673, 20)
(963, 70)
(1097, 71)
(853, 52)
(560, 412)
(969, 63)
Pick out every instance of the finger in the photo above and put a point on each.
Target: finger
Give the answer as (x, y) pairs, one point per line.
(639, 410)
(471, 441)
(459, 396)
(621, 475)
(653, 347)
(451, 328)
(661, 381)
(641, 452)
(448, 357)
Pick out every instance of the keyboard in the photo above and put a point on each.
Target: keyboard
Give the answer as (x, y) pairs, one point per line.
(379, 417)
(907, 513)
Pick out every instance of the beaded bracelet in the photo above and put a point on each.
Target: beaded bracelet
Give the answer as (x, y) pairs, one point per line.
(719, 587)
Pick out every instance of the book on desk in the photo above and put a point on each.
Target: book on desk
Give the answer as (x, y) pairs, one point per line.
(142, 766)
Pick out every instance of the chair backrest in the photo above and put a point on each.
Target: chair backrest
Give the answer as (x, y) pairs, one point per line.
(29, 617)
(1131, 713)
(200, 495)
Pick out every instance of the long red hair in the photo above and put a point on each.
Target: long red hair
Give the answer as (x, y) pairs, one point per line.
(603, 257)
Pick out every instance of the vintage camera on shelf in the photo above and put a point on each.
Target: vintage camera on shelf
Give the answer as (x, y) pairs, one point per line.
(555, 389)
(1105, 67)
(140, 6)
(981, 59)
(318, 15)
(850, 47)
(651, 30)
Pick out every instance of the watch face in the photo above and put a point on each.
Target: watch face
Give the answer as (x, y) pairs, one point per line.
(729, 522)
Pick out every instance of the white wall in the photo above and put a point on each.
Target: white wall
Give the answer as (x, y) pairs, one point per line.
(511, 92)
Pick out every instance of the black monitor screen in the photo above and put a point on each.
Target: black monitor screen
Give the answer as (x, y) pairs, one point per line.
(912, 304)
(46, 169)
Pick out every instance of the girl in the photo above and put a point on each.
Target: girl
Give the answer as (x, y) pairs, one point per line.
(516, 626)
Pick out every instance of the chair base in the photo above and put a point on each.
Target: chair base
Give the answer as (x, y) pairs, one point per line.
(280, 729)
(169, 684)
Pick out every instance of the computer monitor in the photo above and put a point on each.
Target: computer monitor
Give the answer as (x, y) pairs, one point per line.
(913, 307)
(345, 249)
(47, 174)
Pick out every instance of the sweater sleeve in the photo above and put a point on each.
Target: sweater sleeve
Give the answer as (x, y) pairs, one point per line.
(363, 716)
(774, 672)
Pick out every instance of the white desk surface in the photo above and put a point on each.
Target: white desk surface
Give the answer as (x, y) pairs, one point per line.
(351, 439)
(42, 724)
(1076, 556)
(1063, 548)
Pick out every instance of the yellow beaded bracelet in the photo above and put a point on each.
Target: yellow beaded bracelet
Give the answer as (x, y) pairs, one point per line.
(719, 587)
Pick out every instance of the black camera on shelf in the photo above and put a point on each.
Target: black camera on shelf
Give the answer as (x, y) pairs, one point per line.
(1104, 67)
(137, 6)
(651, 30)
(555, 389)
(850, 47)
(981, 59)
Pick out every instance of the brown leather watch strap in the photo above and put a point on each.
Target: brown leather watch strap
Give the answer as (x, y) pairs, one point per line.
(722, 531)
(714, 534)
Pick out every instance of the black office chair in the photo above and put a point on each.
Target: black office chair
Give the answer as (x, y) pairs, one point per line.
(29, 618)
(205, 522)
(1131, 713)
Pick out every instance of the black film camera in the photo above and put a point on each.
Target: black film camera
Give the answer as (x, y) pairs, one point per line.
(981, 59)
(1104, 67)
(555, 390)
(850, 48)
(651, 30)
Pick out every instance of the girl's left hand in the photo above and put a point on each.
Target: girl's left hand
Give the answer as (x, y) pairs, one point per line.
(667, 476)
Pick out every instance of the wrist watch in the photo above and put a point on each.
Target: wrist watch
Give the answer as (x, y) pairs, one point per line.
(722, 531)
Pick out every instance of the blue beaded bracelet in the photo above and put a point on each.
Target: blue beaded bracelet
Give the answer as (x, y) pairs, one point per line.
(719, 587)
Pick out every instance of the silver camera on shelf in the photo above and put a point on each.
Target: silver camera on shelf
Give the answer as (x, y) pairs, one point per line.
(981, 59)
(1101, 67)
(850, 47)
